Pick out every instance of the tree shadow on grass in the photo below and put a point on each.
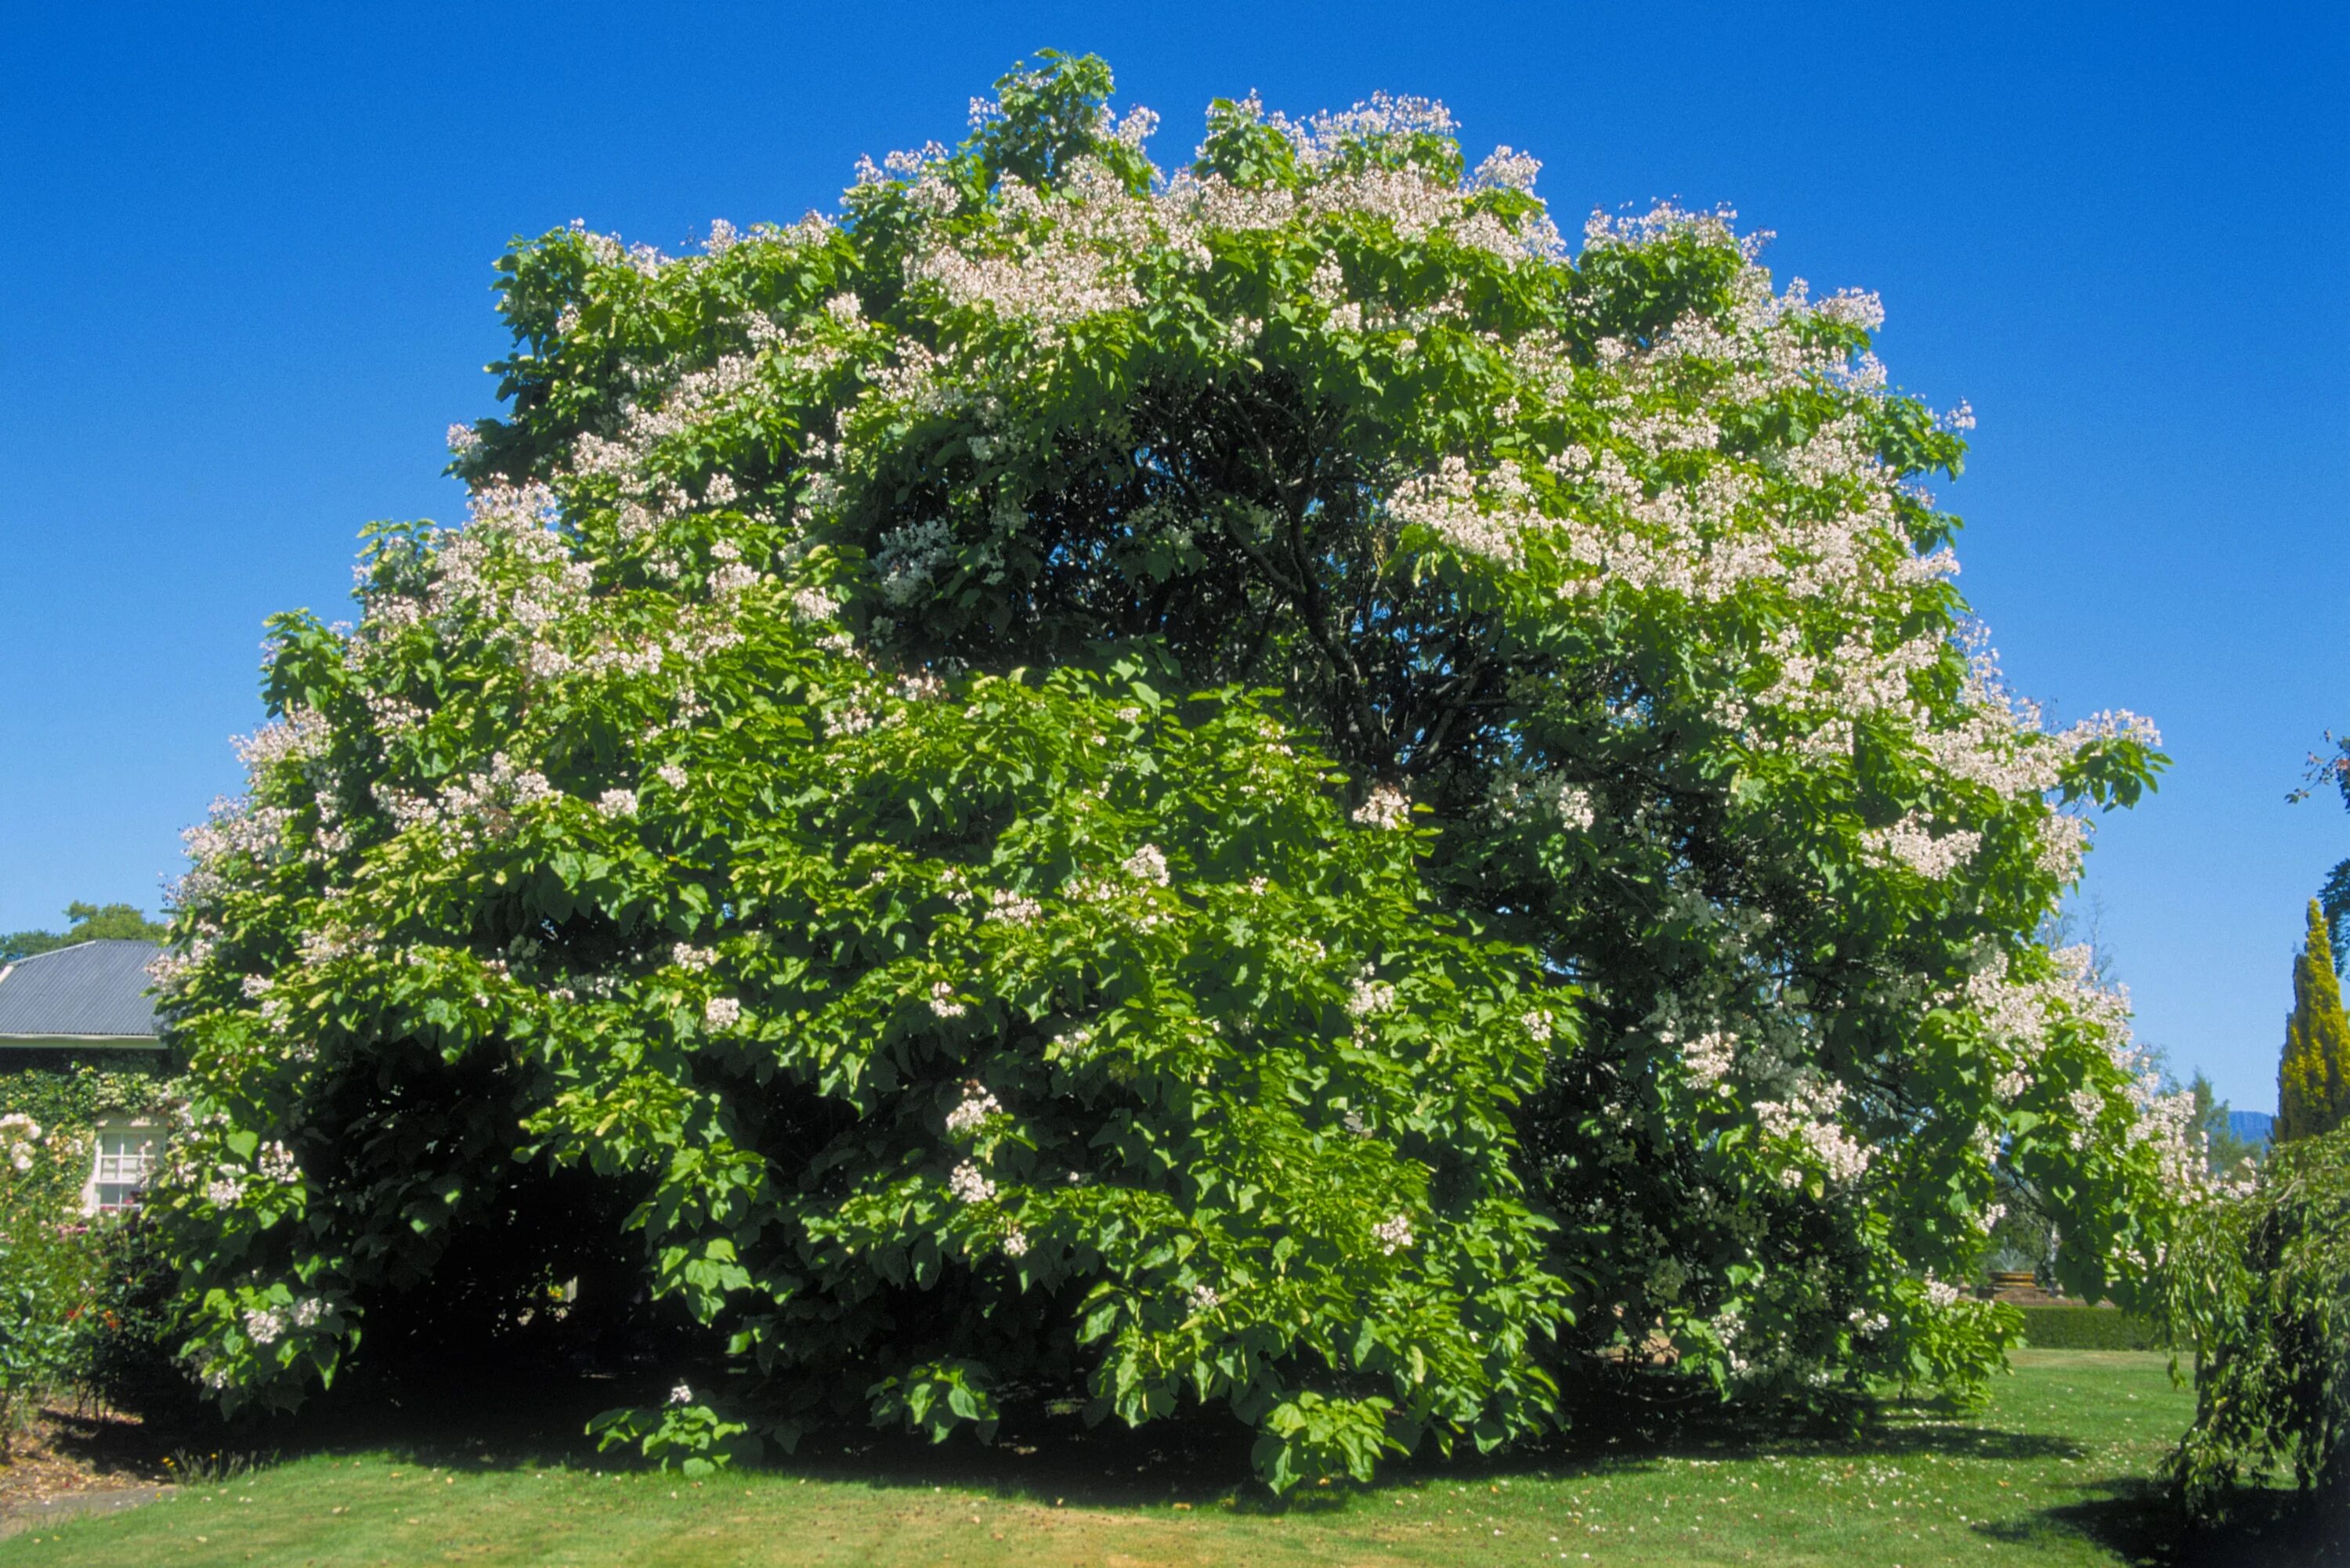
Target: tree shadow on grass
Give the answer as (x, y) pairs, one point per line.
(2275, 1529)
(104, 1443)
(481, 1422)
(1045, 1451)
(490, 1420)
(2141, 1522)
(1638, 1433)
(2135, 1518)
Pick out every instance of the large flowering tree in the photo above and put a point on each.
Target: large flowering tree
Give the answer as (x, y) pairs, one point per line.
(776, 804)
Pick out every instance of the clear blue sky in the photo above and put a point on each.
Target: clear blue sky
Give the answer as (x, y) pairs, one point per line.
(245, 286)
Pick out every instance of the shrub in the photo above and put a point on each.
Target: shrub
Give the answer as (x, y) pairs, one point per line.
(124, 1332)
(2260, 1289)
(43, 1265)
(71, 1094)
(2087, 1328)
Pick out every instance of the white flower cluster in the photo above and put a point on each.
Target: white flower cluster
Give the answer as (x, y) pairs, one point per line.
(1447, 503)
(1393, 1235)
(1054, 258)
(813, 605)
(2064, 840)
(2086, 1106)
(1660, 223)
(1367, 996)
(1077, 263)
(171, 971)
(911, 556)
(1147, 864)
(20, 1136)
(967, 1185)
(1912, 842)
(2114, 723)
(263, 1325)
(968, 1116)
(1012, 908)
(233, 827)
(1806, 1117)
(722, 1012)
(1505, 168)
(301, 734)
(943, 1001)
(1708, 1057)
(273, 1162)
(484, 799)
(1385, 807)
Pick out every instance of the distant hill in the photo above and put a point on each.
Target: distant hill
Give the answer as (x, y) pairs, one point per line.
(2252, 1126)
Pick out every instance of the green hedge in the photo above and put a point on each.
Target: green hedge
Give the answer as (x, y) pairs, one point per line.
(2087, 1328)
(55, 1088)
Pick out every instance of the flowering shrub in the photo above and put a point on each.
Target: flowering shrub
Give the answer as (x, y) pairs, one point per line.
(695, 817)
(34, 1283)
(47, 1115)
(42, 1267)
(56, 1266)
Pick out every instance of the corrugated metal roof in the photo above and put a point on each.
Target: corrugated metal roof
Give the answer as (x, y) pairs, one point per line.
(91, 990)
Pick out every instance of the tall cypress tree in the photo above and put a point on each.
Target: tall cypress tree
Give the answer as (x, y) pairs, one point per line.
(2314, 1077)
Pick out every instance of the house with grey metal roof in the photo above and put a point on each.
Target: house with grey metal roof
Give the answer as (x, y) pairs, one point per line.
(92, 996)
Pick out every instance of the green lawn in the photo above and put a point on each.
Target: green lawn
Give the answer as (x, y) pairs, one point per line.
(2055, 1473)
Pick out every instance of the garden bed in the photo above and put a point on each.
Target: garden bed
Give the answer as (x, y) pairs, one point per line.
(66, 1455)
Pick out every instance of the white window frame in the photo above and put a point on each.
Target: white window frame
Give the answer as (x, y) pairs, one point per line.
(148, 1155)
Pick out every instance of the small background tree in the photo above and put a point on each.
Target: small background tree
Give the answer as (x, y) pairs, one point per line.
(2224, 1152)
(2313, 1074)
(85, 923)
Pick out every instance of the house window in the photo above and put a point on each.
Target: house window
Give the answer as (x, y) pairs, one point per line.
(126, 1158)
